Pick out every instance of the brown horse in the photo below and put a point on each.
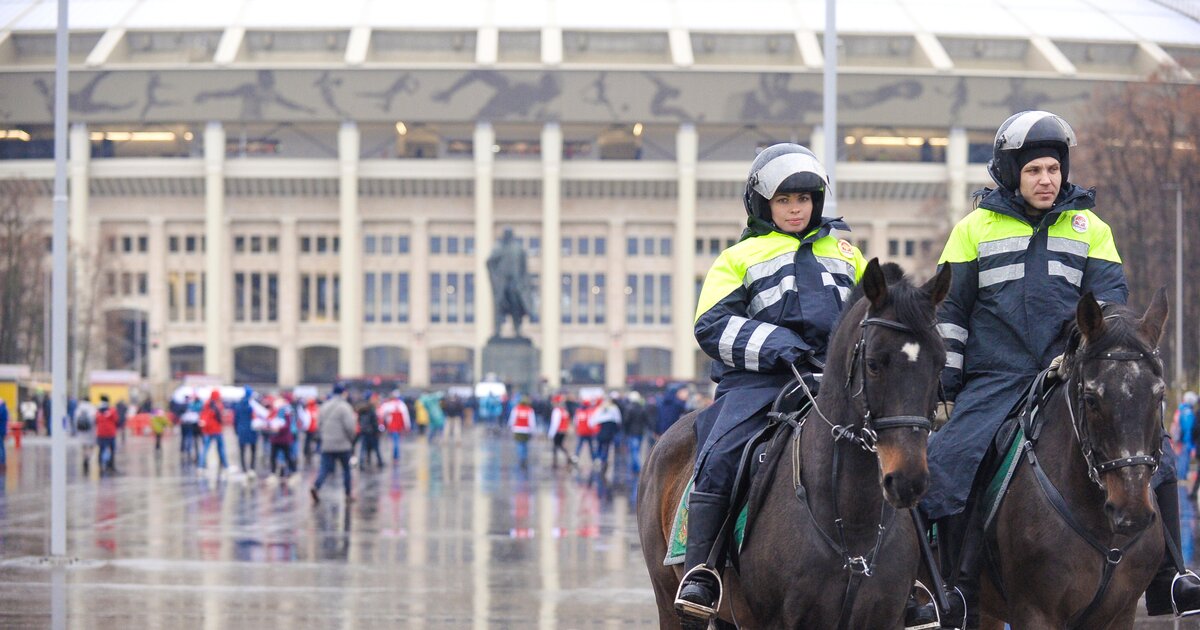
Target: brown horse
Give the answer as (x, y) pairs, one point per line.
(864, 442)
(1095, 544)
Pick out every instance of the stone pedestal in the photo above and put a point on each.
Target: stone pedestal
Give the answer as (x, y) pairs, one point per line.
(514, 361)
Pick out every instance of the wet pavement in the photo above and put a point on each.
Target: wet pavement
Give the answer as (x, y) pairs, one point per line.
(454, 536)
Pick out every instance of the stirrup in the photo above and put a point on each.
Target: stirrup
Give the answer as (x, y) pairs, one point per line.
(693, 609)
(937, 623)
(1174, 606)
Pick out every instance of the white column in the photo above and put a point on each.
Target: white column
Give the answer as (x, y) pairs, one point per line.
(879, 241)
(218, 360)
(418, 360)
(485, 235)
(816, 142)
(83, 243)
(551, 269)
(614, 298)
(957, 156)
(683, 355)
(289, 303)
(350, 323)
(156, 324)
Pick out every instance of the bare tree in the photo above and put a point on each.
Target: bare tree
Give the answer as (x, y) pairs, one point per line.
(22, 250)
(95, 274)
(1138, 142)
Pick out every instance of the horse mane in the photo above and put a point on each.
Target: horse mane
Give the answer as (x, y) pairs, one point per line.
(911, 306)
(1120, 330)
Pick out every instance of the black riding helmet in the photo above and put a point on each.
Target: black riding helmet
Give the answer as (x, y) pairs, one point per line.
(1026, 136)
(788, 168)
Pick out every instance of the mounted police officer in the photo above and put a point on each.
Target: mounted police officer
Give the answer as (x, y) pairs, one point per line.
(769, 302)
(1021, 261)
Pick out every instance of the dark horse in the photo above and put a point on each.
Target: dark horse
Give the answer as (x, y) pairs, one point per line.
(1092, 549)
(864, 442)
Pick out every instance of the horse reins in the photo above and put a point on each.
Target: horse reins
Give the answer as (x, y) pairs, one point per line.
(1112, 555)
(866, 437)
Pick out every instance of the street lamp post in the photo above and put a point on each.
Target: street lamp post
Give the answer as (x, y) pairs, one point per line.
(1180, 379)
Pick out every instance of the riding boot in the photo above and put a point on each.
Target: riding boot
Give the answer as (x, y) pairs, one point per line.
(1174, 590)
(699, 594)
(961, 567)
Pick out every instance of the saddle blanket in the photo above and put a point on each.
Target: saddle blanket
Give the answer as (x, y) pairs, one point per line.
(993, 496)
(677, 545)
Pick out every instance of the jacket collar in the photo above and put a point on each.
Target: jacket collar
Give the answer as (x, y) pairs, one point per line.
(757, 227)
(1006, 202)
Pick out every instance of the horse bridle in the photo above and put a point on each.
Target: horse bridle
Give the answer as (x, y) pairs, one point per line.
(1082, 428)
(871, 426)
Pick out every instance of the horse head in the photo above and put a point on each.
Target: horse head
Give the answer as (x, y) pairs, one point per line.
(1115, 393)
(893, 372)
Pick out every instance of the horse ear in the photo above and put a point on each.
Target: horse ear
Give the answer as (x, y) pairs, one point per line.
(1154, 321)
(875, 284)
(1089, 316)
(938, 286)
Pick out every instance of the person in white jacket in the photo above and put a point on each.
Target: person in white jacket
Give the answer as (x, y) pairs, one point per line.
(560, 424)
(607, 422)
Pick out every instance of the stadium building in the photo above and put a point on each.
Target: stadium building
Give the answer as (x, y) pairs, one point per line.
(282, 192)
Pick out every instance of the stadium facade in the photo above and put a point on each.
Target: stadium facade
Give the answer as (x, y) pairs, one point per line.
(281, 192)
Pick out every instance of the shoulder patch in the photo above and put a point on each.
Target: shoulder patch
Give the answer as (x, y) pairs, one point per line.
(846, 248)
(1079, 223)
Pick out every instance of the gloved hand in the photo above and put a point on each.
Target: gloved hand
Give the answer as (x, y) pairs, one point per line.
(1053, 371)
(942, 414)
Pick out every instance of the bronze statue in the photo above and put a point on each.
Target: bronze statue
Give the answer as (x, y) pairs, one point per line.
(511, 294)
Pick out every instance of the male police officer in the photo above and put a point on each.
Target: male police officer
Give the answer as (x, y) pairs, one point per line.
(1021, 261)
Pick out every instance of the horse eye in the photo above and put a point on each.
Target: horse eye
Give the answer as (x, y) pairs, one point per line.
(1092, 401)
(873, 367)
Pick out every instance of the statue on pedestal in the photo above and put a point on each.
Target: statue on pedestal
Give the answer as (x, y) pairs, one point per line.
(511, 294)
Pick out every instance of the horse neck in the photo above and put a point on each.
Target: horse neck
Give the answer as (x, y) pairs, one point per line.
(858, 492)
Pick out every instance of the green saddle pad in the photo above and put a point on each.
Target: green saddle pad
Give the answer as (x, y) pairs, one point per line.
(998, 486)
(677, 545)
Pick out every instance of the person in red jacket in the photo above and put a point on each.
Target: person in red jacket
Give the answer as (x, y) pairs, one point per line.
(106, 435)
(521, 423)
(394, 414)
(211, 424)
(584, 431)
(560, 424)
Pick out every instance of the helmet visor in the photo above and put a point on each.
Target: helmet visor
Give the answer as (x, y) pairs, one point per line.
(1049, 128)
(767, 180)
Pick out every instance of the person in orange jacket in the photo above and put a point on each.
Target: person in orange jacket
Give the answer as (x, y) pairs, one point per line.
(560, 424)
(211, 426)
(521, 423)
(106, 435)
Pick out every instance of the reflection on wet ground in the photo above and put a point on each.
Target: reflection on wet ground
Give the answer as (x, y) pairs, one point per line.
(453, 536)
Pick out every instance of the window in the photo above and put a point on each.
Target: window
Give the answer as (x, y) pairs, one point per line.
(598, 298)
(631, 246)
(601, 246)
(699, 246)
(190, 244)
(583, 246)
(535, 288)
(143, 244)
(255, 244)
(127, 244)
(239, 244)
(305, 244)
(469, 245)
(172, 298)
(647, 299)
(305, 288)
(337, 244)
(368, 244)
(112, 244)
(631, 300)
(452, 298)
(385, 295)
(126, 283)
(584, 291)
(862, 246)
(565, 300)
(272, 244)
(322, 244)
(402, 245)
(143, 283)
(664, 247)
(469, 298)
(386, 244)
(402, 297)
(664, 299)
(435, 298)
(648, 247)
(893, 247)
(337, 297)
(910, 247)
(110, 283)
(535, 245)
(272, 297)
(435, 244)
(452, 245)
(173, 243)
(322, 291)
(256, 297)
(714, 247)
(369, 297)
(566, 246)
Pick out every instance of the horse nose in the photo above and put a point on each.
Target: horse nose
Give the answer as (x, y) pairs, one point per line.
(1125, 521)
(903, 491)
